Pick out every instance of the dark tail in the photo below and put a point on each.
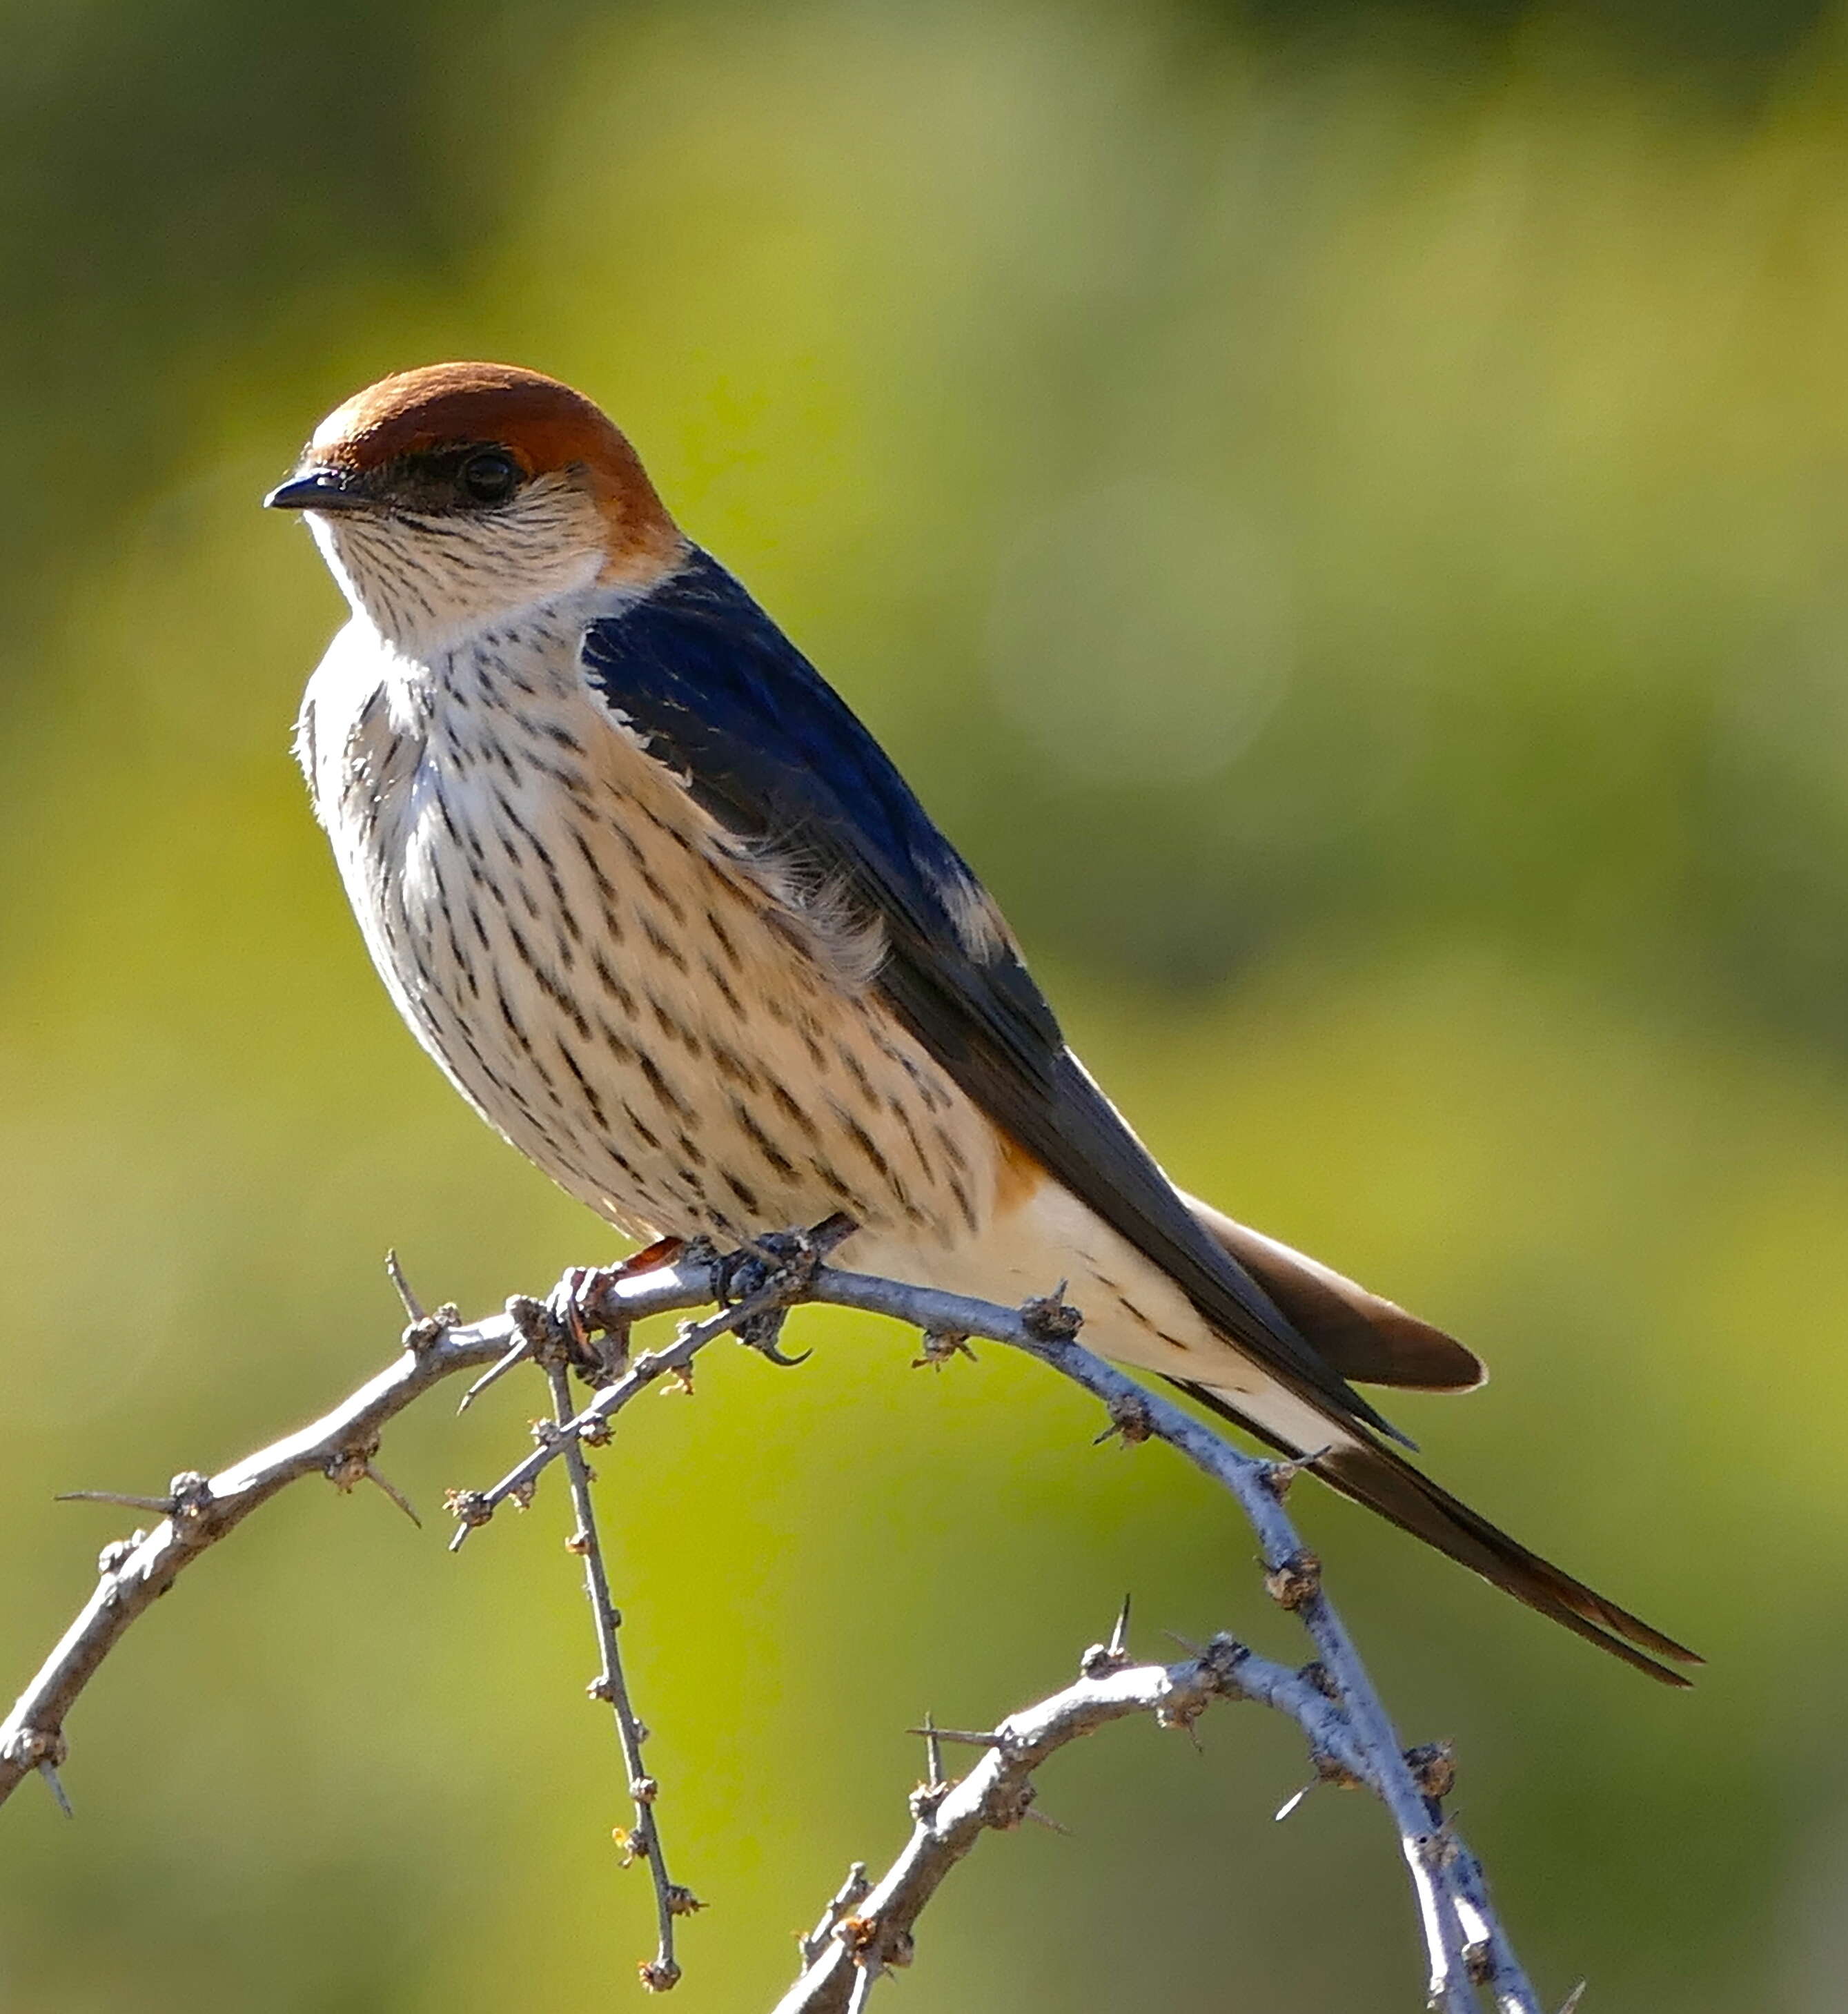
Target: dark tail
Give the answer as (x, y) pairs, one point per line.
(1387, 1482)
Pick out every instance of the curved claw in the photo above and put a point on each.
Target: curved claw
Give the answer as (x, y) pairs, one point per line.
(761, 1333)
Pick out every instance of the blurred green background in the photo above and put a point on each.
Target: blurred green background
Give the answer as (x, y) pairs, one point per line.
(1342, 511)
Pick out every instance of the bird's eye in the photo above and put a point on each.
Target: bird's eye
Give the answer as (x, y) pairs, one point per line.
(490, 476)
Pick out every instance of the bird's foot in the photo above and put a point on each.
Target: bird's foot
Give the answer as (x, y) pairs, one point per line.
(590, 1323)
(784, 1261)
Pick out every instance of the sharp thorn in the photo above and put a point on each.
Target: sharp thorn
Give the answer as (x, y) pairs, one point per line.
(934, 1750)
(396, 1494)
(56, 1788)
(1119, 1635)
(413, 1308)
(1289, 1803)
(1052, 1824)
(163, 1504)
(969, 1737)
(494, 1374)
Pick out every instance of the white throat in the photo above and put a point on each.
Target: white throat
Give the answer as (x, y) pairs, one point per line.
(427, 584)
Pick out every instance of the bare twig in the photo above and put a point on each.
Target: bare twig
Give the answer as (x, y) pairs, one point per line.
(1464, 1944)
(643, 1840)
(850, 1894)
(1464, 1940)
(868, 1930)
(1351, 1736)
(873, 1933)
(197, 1511)
(784, 1280)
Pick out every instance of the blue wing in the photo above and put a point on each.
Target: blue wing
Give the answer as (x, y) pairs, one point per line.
(770, 751)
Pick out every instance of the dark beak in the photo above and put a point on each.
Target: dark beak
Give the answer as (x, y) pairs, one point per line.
(317, 490)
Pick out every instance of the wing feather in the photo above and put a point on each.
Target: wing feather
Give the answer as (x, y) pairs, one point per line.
(709, 684)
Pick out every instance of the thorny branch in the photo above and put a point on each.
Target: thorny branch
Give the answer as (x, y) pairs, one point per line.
(866, 1931)
(643, 1841)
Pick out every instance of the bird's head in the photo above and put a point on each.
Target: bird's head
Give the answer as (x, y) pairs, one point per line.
(449, 499)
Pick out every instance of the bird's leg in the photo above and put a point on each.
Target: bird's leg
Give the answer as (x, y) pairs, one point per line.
(749, 1271)
(787, 1259)
(560, 1328)
(579, 1306)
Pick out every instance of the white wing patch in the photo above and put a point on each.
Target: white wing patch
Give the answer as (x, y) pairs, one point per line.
(817, 909)
(978, 924)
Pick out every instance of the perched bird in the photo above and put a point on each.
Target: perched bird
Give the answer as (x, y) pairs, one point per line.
(670, 919)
